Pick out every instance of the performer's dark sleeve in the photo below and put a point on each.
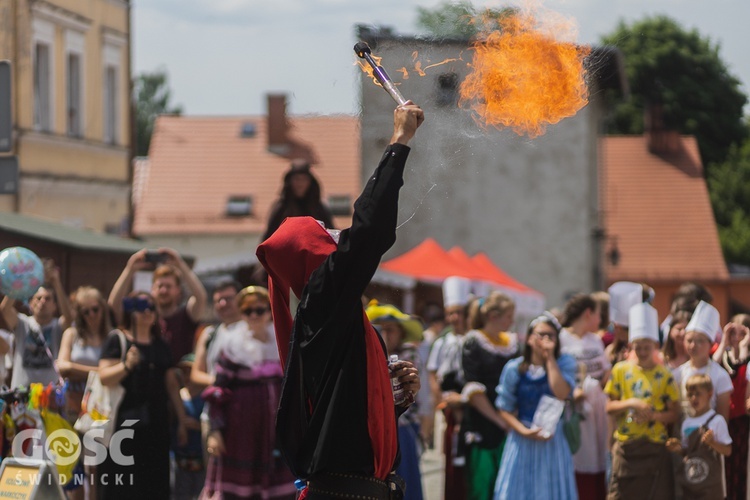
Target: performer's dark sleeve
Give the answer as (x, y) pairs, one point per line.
(346, 272)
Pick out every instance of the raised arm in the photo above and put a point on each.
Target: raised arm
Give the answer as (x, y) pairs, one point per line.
(10, 315)
(373, 229)
(125, 282)
(198, 297)
(52, 275)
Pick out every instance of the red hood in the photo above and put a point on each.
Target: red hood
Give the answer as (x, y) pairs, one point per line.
(290, 255)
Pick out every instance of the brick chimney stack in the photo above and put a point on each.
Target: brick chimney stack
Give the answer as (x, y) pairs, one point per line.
(660, 139)
(278, 141)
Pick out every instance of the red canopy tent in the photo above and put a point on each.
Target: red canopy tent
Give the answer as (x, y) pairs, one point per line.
(429, 262)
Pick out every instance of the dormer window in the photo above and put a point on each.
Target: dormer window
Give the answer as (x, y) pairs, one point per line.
(239, 206)
(248, 130)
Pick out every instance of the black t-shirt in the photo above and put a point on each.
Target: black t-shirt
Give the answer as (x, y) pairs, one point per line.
(146, 398)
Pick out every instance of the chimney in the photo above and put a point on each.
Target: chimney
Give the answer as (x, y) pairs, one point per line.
(659, 138)
(278, 141)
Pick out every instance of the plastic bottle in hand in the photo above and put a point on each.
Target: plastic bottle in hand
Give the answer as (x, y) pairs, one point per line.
(399, 394)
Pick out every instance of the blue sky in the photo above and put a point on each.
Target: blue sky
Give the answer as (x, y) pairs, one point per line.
(224, 56)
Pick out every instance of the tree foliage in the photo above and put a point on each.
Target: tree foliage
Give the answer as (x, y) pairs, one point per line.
(152, 95)
(729, 188)
(683, 72)
(459, 19)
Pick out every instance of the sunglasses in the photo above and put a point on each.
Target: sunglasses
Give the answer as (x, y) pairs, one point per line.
(85, 311)
(260, 311)
(137, 304)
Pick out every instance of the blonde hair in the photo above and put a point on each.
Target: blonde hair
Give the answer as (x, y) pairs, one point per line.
(481, 307)
(257, 291)
(699, 381)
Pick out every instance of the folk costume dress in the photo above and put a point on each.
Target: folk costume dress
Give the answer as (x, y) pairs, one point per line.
(243, 402)
(336, 422)
(483, 361)
(445, 361)
(591, 459)
(533, 469)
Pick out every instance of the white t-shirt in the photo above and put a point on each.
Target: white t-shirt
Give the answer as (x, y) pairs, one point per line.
(588, 349)
(719, 377)
(6, 359)
(717, 424)
(445, 356)
(36, 349)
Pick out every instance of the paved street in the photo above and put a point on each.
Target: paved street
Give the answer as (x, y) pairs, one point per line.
(432, 474)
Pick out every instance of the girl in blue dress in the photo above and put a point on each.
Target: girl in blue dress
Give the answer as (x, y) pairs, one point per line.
(534, 466)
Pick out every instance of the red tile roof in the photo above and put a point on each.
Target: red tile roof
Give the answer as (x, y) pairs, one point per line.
(196, 163)
(657, 209)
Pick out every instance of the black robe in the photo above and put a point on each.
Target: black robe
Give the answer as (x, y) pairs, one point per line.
(322, 422)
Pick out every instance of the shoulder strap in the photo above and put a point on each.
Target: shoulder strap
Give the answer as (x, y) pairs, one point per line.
(123, 344)
(705, 424)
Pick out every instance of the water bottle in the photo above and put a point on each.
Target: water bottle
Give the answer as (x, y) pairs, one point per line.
(399, 394)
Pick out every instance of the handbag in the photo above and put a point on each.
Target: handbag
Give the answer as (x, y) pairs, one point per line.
(212, 489)
(572, 427)
(100, 403)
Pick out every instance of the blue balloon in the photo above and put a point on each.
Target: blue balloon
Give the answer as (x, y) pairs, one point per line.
(21, 273)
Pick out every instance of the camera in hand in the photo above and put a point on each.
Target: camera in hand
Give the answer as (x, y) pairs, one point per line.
(155, 257)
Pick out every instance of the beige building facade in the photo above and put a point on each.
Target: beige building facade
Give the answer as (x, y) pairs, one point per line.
(71, 115)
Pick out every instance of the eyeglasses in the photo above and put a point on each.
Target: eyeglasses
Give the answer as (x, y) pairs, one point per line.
(260, 311)
(137, 304)
(85, 311)
(546, 335)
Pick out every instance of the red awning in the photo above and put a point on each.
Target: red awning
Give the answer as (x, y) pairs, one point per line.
(429, 261)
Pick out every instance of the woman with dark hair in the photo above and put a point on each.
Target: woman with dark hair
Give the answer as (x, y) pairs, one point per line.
(673, 351)
(733, 355)
(534, 464)
(581, 318)
(300, 195)
(143, 371)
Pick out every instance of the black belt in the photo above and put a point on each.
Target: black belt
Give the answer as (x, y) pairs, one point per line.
(342, 485)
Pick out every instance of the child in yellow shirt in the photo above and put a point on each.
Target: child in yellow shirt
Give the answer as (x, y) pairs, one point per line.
(643, 399)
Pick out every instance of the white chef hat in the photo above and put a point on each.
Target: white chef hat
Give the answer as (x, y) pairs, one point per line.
(622, 296)
(456, 291)
(705, 320)
(643, 322)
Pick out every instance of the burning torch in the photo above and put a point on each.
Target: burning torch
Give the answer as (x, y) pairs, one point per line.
(363, 51)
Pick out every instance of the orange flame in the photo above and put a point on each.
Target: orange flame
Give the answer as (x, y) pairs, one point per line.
(368, 69)
(524, 79)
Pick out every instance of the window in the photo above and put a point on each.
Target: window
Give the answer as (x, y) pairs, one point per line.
(113, 92)
(340, 204)
(447, 89)
(240, 206)
(74, 83)
(110, 104)
(75, 49)
(42, 87)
